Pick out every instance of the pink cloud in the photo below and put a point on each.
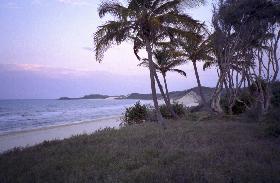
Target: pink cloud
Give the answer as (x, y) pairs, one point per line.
(51, 72)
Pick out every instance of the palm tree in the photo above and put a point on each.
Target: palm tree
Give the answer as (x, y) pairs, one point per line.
(166, 61)
(144, 22)
(198, 49)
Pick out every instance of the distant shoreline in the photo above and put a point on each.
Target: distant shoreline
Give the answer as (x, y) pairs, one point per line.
(93, 96)
(139, 96)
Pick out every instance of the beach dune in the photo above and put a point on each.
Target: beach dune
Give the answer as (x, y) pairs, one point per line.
(190, 99)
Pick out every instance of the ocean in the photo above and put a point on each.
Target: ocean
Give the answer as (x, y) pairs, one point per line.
(21, 115)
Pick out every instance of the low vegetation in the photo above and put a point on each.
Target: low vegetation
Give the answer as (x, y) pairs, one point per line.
(271, 123)
(135, 114)
(179, 109)
(140, 113)
(244, 103)
(187, 151)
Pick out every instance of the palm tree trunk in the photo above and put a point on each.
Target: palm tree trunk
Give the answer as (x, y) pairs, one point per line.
(153, 87)
(166, 88)
(198, 83)
(167, 102)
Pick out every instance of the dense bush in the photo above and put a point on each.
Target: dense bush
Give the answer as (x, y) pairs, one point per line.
(246, 100)
(271, 122)
(179, 109)
(193, 109)
(139, 113)
(255, 87)
(240, 106)
(275, 100)
(135, 114)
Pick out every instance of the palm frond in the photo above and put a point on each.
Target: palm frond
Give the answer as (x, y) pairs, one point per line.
(177, 19)
(193, 3)
(109, 34)
(139, 5)
(142, 20)
(113, 8)
(155, 4)
(208, 64)
(183, 73)
(138, 44)
(145, 63)
(177, 34)
(166, 7)
(175, 63)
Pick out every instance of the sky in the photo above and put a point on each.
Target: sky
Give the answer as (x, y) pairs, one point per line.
(46, 52)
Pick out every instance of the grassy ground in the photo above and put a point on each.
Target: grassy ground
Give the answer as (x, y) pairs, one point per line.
(206, 151)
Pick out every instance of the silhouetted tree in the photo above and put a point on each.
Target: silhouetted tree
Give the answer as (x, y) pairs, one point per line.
(245, 40)
(165, 61)
(145, 22)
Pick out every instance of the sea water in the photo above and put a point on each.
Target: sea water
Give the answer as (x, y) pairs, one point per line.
(20, 115)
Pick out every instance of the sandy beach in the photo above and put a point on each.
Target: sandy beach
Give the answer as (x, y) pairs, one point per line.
(35, 136)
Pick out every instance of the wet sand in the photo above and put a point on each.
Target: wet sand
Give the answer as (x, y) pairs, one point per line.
(35, 136)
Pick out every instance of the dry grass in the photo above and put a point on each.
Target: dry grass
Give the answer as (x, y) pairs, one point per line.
(206, 151)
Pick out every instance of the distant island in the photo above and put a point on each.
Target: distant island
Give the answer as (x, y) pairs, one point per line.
(138, 96)
(91, 96)
(99, 96)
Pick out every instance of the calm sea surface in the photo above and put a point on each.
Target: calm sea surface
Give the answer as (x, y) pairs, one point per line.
(18, 115)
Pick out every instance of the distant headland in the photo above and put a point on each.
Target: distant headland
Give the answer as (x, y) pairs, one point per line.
(92, 96)
(138, 96)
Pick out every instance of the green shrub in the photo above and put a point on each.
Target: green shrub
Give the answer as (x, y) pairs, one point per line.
(271, 123)
(179, 109)
(193, 109)
(151, 114)
(165, 112)
(139, 113)
(135, 114)
(240, 106)
(246, 99)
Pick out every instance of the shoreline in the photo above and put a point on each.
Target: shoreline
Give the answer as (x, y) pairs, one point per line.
(57, 126)
(32, 137)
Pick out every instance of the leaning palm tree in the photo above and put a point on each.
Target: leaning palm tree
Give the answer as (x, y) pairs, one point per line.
(166, 61)
(144, 22)
(198, 49)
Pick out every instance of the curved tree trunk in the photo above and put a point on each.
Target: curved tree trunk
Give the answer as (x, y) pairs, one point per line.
(215, 100)
(153, 88)
(167, 102)
(215, 104)
(166, 88)
(198, 83)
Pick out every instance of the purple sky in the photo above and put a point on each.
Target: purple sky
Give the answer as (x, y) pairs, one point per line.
(44, 53)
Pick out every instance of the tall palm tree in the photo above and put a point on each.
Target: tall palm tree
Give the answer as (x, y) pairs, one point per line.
(198, 49)
(144, 22)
